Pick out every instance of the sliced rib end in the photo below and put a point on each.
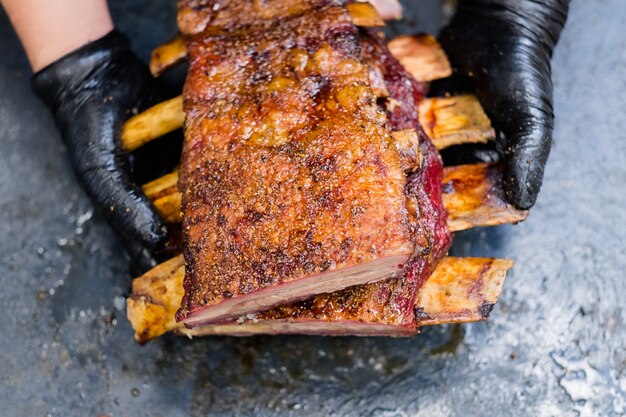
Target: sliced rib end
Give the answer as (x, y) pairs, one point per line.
(296, 290)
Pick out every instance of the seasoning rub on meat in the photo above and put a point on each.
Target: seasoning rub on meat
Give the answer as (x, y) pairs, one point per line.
(292, 184)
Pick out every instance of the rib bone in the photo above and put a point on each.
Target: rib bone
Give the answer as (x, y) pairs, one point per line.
(471, 194)
(388, 9)
(473, 197)
(455, 120)
(168, 55)
(153, 123)
(459, 290)
(422, 56)
(365, 15)
(447, 121)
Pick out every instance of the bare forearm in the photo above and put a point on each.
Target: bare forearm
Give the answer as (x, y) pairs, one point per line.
(50, 29)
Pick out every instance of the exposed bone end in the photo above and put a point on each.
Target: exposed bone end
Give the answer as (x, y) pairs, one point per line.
(167, 55)
(388, 9)
(168, 207)
(161, 187)
(473, 197)
(462, 290)
(157, 121)
(365, 15)
(165, 197)
(421, 56)
(155, 298)
(455, 120)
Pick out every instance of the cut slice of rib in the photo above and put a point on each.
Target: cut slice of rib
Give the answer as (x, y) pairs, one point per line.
(459, 290)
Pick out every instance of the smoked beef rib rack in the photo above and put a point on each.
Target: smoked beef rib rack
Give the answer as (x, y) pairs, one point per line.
(388, 277)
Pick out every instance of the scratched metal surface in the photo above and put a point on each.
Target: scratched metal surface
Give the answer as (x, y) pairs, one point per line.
(554, 344)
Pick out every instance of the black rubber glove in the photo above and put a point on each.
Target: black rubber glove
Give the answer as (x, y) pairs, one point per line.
(505, 47)
(91, 92)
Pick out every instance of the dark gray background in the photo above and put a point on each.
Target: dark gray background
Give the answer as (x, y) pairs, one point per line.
(554, 345)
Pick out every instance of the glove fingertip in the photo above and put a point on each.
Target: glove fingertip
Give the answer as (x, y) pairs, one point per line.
(146, 224)
(522, 184)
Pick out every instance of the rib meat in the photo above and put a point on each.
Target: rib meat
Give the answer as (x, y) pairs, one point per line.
(386, 307)
(291, 182)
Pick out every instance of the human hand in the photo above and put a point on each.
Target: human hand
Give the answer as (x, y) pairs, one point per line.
(505, 47)
(91, 92)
